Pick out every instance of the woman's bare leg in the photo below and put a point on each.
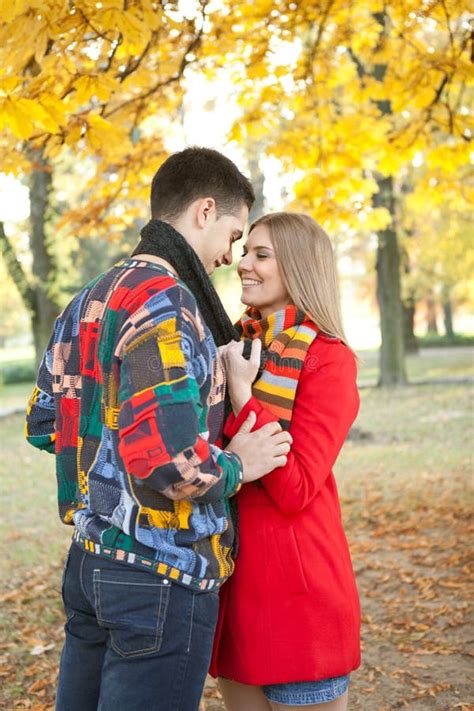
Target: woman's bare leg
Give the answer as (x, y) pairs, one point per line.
(243, 697)
(339, 704)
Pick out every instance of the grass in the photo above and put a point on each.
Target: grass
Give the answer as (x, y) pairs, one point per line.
(428, 364)
(418, 447)
(15, 395)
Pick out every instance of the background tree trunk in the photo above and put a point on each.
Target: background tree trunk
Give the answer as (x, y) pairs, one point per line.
(36, 290)
(392, 351)
(409, 338)
(253, 150)
(448, 313)
(44, 265)
(431, 321)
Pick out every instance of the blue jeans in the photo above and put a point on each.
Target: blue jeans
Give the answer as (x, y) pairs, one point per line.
(133, 640)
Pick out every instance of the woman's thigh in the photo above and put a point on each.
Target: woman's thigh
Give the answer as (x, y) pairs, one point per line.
(243, 697)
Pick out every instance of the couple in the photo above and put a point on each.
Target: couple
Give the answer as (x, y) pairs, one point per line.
(158, 415)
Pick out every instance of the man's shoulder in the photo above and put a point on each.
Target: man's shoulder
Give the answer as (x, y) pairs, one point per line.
(151, 297)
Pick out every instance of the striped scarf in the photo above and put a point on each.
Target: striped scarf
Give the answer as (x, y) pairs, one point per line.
(286, 336)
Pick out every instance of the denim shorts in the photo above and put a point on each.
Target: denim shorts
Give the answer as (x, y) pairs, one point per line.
(305, 693)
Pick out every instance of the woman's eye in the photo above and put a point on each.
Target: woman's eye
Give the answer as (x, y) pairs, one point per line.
(262, 256)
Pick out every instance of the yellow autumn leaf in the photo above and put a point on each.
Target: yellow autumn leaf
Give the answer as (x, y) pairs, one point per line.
(100, 87)
(54, 106)
(74, 134)
(104, 137)
(9, 83)
(17, 115)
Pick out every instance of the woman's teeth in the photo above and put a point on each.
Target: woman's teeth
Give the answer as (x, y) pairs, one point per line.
(250, 282)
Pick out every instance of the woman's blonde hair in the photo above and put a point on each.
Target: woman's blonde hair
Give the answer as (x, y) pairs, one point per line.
(307, 263)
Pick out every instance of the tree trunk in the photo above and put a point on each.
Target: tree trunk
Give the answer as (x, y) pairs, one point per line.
(35, 291)
(409, 338)
(448, 314)
(431, 321)
(44, 266)
(392, 352)
(258, 180)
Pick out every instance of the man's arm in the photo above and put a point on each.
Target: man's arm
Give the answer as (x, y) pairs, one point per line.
(163, 437)
(40, 430)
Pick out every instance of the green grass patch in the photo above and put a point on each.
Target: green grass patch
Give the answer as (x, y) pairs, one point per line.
(425, 365)
(15, 395)
(434, 341)
(21, 371)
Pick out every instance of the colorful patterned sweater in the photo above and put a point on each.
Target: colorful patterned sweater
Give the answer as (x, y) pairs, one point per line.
(130, 397)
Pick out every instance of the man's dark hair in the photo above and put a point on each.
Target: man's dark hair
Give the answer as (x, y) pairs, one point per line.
(197, 173)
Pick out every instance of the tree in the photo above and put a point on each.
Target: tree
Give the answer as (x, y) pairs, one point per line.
(367, 88)
(83, 79)
(101, 81)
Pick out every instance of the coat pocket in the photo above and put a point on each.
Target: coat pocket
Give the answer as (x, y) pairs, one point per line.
(290, 560)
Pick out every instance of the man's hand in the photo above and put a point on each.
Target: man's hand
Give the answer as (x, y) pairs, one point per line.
(260, 451)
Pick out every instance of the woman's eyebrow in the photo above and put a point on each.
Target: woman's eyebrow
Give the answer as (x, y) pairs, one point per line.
(262, 246)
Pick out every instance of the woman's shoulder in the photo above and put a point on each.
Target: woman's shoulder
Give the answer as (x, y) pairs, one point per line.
(331, 355)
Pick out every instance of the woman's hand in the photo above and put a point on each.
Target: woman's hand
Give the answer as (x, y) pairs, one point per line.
(240, 372)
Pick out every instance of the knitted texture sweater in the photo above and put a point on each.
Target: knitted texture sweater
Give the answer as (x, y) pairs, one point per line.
(130, 397)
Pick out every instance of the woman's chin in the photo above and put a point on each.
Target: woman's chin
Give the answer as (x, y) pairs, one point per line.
(246, 301)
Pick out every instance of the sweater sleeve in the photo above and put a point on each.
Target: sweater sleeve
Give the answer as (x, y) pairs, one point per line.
(40, 424)
(325, 407)
(162, 428)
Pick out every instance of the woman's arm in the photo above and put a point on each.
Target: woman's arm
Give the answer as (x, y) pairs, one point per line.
(325, 407)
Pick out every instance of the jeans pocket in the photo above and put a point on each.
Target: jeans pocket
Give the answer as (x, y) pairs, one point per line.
(132, 606)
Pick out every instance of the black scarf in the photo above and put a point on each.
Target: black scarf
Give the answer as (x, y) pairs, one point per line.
(162, 240)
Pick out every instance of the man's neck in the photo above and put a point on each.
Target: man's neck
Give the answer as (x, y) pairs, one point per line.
(156, 260)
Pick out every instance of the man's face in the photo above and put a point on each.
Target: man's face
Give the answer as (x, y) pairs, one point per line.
(216, 241)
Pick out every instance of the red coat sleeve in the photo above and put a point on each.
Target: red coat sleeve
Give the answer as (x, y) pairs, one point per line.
(326, 405)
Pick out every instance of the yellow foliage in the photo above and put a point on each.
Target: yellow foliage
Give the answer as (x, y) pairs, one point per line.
(324, 87)
(100, 87)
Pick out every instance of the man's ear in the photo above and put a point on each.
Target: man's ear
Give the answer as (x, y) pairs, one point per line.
(205, 210)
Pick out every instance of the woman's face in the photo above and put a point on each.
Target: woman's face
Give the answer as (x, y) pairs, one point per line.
(262, 283)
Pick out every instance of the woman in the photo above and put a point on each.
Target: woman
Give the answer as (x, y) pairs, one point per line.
(288, 631)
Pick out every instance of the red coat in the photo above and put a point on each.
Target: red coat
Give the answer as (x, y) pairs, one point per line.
(290, 612)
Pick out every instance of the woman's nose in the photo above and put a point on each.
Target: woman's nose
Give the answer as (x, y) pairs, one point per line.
(243, 264)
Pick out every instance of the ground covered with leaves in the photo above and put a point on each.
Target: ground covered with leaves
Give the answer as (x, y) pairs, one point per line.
(406, 492)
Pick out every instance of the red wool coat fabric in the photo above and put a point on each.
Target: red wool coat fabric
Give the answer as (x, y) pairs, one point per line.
(290, 612)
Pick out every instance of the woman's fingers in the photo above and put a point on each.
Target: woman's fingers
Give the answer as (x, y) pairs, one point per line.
(256, 352)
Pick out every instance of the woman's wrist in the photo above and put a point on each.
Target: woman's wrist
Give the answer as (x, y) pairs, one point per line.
(240, 398)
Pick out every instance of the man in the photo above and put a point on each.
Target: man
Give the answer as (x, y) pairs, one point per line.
(130, 397)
